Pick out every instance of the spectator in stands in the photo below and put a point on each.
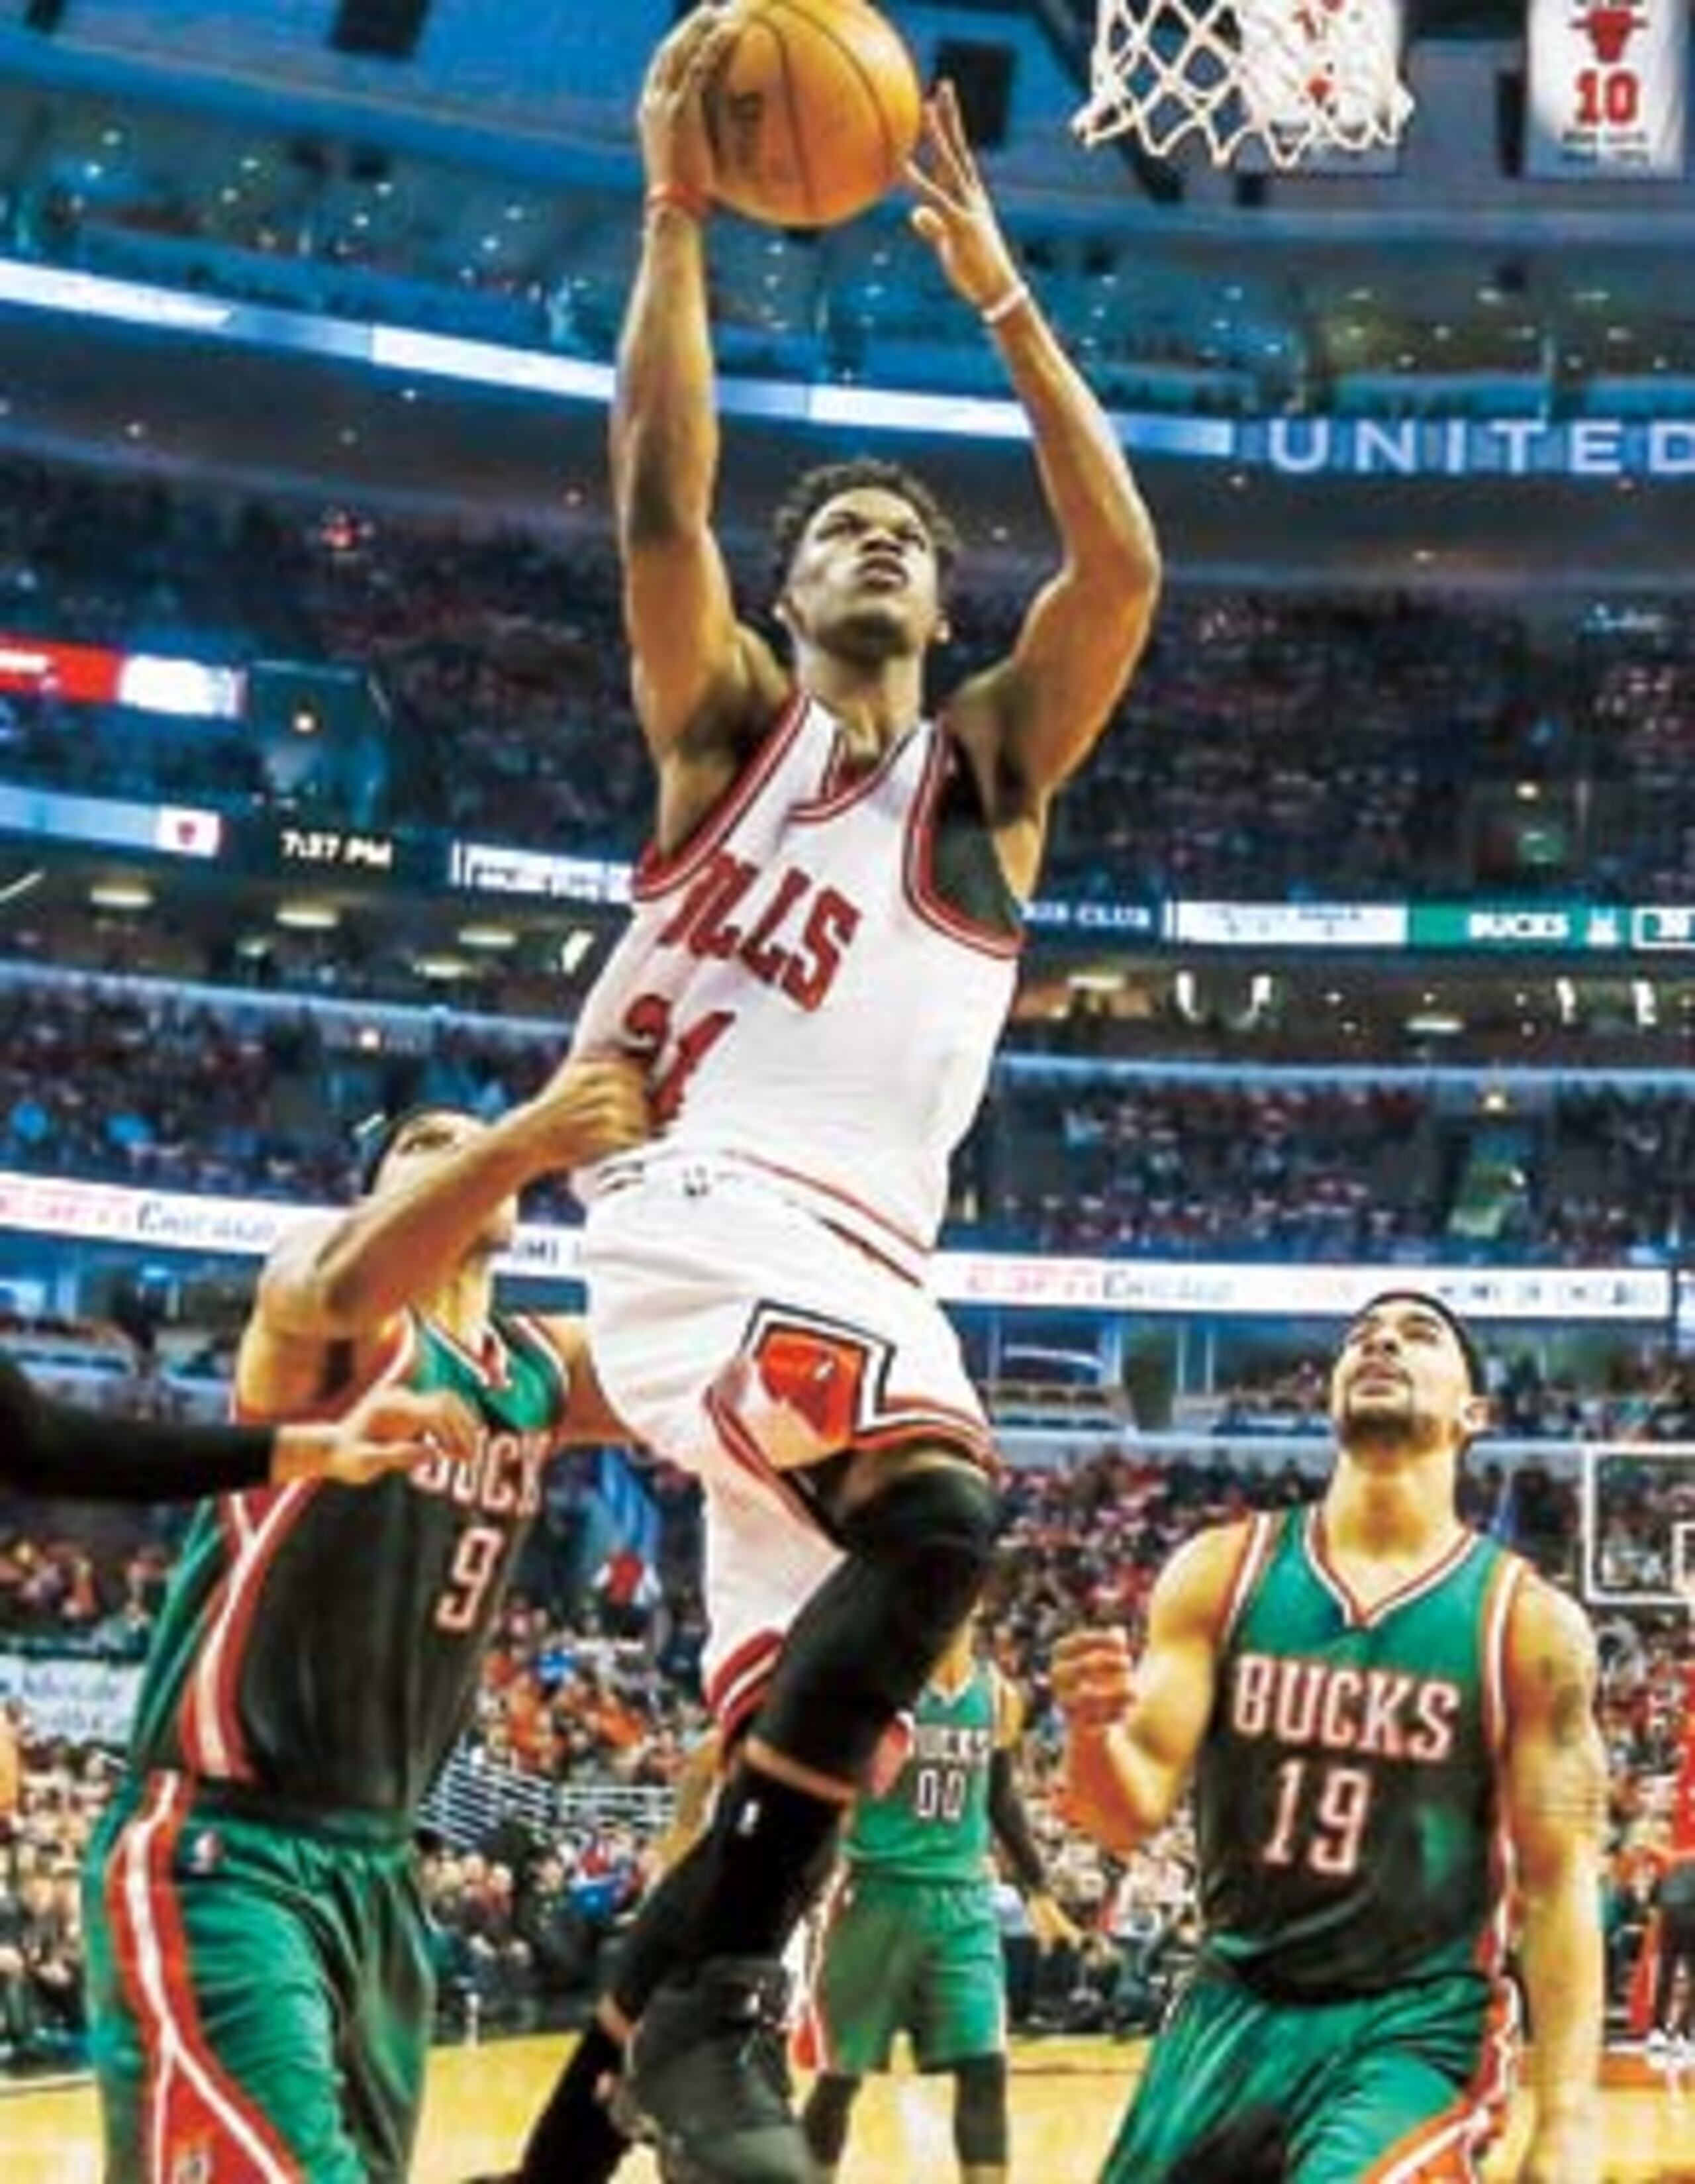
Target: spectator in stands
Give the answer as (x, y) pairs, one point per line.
(499, 1961)
(17, 2015)
(1232, 774)
(52, 1945)
(1673, 1903)
(562, 1940)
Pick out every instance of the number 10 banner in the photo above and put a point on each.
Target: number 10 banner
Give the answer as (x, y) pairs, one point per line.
(1607, 88)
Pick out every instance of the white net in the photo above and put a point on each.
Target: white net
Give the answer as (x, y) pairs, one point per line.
(1298, 76)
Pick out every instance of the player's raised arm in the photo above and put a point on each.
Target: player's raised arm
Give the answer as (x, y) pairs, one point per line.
(1134, 1727)
(703, 685)
(1556, 1812)
(350, 1277)
(1085, 630)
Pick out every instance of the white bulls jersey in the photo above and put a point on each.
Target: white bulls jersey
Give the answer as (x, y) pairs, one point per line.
(811, 1003)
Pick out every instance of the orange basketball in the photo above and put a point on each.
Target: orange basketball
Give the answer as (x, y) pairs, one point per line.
(812, 112)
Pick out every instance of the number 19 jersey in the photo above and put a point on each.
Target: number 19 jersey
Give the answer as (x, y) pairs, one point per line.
(1349, 1797)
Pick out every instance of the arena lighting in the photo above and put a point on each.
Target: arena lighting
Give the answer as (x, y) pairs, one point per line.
(121, 895)
(491, 937)
(185, 689)
(309, 917)
(94, 296)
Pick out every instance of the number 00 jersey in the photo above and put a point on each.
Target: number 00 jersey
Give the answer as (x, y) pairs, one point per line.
(932, 1823)
(820, 975)
(322, 1643)
(1348, 1798)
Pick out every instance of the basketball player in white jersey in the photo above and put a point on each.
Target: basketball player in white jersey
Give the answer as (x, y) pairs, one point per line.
(820, 959)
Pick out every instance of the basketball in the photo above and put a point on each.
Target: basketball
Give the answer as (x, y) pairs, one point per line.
(814, 113)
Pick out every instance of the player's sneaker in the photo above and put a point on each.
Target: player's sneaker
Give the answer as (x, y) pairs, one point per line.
(706, 2070)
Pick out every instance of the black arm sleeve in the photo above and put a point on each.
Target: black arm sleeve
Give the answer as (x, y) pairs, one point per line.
(1011, 1825)
(57, 1448)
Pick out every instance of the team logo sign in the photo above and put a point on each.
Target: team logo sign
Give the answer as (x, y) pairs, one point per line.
(1607, 88)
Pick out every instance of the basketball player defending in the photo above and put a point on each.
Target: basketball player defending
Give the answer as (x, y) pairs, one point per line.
(259, 1958)
(912, 1942)
(1390, 1723)
(820, 958)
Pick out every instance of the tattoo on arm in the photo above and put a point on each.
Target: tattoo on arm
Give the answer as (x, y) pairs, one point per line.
(1570, 1704)
(1574, 1785)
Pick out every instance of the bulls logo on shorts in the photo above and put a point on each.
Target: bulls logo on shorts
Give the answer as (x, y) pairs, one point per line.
(818, 1373)
(803, 1386)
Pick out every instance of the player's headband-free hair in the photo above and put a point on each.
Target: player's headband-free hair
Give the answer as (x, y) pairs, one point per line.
(376, 1138)
(817, 487)
(1450, 1319)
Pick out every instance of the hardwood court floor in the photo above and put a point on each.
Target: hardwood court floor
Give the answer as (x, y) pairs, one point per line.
(1067, 2097)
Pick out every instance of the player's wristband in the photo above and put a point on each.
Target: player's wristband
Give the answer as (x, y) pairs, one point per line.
(679, 196)
(1002, 307)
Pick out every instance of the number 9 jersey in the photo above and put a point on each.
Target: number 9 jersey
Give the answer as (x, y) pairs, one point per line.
(324, 1646)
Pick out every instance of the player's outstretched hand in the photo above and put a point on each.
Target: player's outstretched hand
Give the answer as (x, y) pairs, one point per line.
(677, 149)
(1094, 1678)
(953, 213)
(586, 1111)
(387, 1430)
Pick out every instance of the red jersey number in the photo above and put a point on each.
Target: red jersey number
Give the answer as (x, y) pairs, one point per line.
(647, 1026)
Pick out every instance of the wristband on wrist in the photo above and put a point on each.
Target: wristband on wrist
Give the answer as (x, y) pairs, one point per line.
(679, 196)
(1002, 307)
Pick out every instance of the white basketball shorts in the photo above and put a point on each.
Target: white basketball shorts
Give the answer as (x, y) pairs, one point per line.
(740, 1338)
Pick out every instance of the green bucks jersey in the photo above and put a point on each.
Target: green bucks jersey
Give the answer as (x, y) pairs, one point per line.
(1348, 1794)
(932, 1824)
(323, 1643)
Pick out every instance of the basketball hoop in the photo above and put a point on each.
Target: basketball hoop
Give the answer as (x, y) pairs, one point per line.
(1299, 76)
